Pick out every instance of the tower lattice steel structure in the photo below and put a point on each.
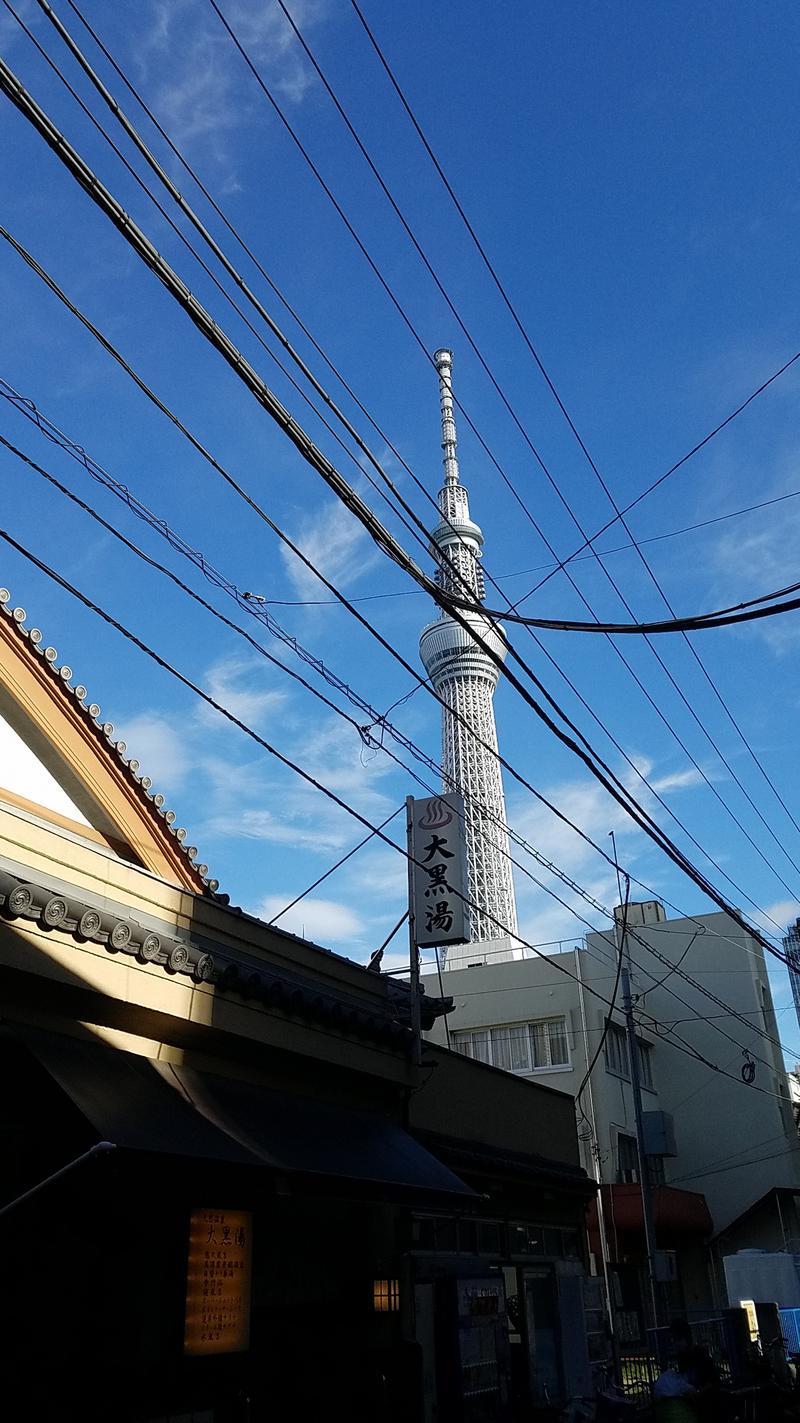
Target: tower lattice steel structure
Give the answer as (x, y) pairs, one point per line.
(465, 678)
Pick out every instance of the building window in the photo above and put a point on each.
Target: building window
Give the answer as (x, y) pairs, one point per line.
(627, 1159)
(645, 1064)
(549, 1046)
(386, 1296)
(618, 1061)
(617, 1051)
(541, 1046)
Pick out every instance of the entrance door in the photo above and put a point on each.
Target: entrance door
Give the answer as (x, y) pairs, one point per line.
(542, 1329)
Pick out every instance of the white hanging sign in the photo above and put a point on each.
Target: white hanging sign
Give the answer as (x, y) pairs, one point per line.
(438, 877)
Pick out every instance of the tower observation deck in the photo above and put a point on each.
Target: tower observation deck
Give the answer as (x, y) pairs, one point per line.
(465, 678)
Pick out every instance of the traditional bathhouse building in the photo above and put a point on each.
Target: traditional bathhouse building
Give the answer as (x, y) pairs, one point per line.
(227, 1190)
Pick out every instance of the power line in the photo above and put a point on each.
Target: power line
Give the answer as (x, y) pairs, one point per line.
(534, 353)
(672, 469)
(230, 716)
(721, 617)
(708, 620)
(157, 524)
(204, 266)
(29, 410)
(566, 504)
(528, 847)
(323, 466)
(209, 569)
(129, 128)
(333, 868)
(679, 1042)
(735, 1166)
(572, 884)
(93, 187)
(521, 572)
(234, 233)
(218, 580)
(701, 444)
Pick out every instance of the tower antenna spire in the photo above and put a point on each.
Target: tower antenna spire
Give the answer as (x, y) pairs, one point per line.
(443, 361)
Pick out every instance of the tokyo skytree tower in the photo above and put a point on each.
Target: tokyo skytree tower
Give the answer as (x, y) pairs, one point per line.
(465, 678)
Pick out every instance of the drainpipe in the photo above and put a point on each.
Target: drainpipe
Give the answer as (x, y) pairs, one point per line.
(601, 1218)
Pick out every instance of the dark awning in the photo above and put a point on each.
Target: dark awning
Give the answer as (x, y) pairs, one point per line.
(149, 1106)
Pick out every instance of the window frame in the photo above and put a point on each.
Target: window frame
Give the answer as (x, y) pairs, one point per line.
(462, 1041)
(629, 1175)
(617, 1034)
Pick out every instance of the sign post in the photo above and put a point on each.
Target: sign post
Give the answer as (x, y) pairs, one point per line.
(437, 908)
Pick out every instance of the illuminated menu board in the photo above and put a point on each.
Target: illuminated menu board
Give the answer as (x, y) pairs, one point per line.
(218, 1282)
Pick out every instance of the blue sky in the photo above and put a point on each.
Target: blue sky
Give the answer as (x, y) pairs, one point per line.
(632, 171)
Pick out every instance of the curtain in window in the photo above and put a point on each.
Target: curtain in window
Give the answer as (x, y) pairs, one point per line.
(510, 1048)
(539, 1045)
(557, 1032)
(501, 1048)
(480, 1046)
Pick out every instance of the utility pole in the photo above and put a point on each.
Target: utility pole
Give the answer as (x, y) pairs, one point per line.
(621, 935)
(595, 1153)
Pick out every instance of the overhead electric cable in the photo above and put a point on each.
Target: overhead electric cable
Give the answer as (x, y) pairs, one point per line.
(235, 234)
(218, 580)
(698, 622)
(523, 332)
(323, 466)
(521, 572)
(619, 514)
(607, 1025)
(677, 1040)
(155, 522)
(257, 646)
(127, 226)
(672, 469)
(659, 712)
(564, 501)
(258, 610)
(333, 868)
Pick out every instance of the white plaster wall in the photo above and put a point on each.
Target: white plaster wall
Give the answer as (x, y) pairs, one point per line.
(22, 772)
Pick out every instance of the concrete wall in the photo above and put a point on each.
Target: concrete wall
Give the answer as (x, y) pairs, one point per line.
(722, 1125)
(536, 988)
(719, 1121)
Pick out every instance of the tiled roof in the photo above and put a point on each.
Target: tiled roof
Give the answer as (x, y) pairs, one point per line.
(104, 730)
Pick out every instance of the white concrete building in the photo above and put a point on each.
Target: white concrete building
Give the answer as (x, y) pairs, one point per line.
(725, 1161)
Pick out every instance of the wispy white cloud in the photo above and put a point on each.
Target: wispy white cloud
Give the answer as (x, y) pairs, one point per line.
(336, 544)
(240, 683)
(326, 921)
(10, 31)
(159, 747)
(584, 802)
(782, 911)
(202, 87)
(677, 780)
(750, 557)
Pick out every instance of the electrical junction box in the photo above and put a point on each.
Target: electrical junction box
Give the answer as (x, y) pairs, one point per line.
(659, 1134)
(666, 1266)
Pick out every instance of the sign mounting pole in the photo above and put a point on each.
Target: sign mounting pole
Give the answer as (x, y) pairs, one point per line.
(416, 1015)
